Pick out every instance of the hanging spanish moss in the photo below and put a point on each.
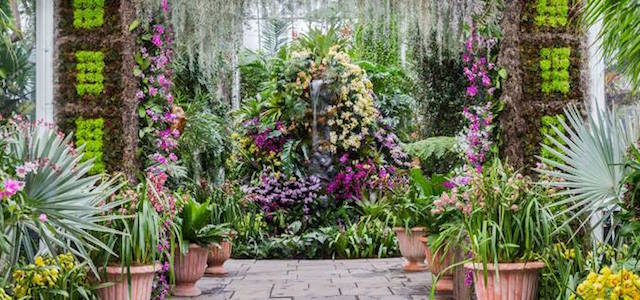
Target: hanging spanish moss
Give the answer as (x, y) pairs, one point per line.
(209, 33)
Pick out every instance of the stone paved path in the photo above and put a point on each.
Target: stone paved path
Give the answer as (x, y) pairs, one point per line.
(360, 279)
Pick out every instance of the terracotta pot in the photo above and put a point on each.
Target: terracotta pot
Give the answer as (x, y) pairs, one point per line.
(411, 248)
(437, 264)
(217, 256)
(188, 270)
(516, 281)
(141, 282)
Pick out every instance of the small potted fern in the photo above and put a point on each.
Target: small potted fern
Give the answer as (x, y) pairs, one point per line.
(198, 234)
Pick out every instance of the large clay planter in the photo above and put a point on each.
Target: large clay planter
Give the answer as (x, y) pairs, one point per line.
(517, 281)
(188, 270)
(141, 282)
(411, 248)
(437, 264)
(217, 256)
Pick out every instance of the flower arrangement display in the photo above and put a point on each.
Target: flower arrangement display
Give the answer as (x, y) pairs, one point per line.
(275, 142)
(609, 284)
(88, 14)
(552, 13)
(61, 277)
(89, 133)
(554, 67)
(89, 77)
(549, 134)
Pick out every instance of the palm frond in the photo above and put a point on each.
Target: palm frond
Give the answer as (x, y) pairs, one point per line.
(589, 169)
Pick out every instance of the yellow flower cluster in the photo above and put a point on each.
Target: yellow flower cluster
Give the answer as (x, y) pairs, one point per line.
(623, 284)
(3, 295)
(44, 273)
(565, 252)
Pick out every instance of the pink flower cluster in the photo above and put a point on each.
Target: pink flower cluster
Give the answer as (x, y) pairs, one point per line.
(452, 201)
(349, 183)
(475, 55)
(477, 134)
(263, 137)
(10, 187)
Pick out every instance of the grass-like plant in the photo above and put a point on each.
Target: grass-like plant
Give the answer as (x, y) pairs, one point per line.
(508, 221)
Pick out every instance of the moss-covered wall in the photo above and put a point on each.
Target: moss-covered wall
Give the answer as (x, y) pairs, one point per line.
(113, 102)
(526, 101)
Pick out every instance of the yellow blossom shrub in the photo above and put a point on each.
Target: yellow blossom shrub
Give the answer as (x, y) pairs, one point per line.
(46, 274)
(622, 284)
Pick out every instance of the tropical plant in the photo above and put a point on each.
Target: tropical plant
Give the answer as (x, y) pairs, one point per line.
(411, 207)
(141, 225)
(47, 199)
(438, 154)
(590, 166)
(618, 35)
(504, 217)
(197, 227)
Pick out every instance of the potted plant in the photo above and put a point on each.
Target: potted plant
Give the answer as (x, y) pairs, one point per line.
(410, 216)
(225, 209)
(507, 226)
(129, 270)
(197, 236)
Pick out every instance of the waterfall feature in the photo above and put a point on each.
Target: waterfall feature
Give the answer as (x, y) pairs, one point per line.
(321, 164)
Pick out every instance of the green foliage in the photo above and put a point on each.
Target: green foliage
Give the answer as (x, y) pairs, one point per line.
(377, 42)
(508, 221)
(549, 134)
(619, 38)
(89, 133)
(554, 67)
(410, 207)
(436, 154)
(89, 77)
(591, 169)
(88, 14)
(72, 202)
(51, 278)
(440, 85)
(552, 13)
(197, 227)
(366, 238)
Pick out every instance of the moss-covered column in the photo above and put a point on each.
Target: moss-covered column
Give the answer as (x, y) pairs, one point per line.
(544, 52)
(94, 81)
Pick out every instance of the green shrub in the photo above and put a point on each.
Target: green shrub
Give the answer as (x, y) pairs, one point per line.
(552, 13)
(437, 155)
(554, 69)
(88, 14)
(89, 132)
(89, 78)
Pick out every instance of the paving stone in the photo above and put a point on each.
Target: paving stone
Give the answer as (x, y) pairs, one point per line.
(368, 291)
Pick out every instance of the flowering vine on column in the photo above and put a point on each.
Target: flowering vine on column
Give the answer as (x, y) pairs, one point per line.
(160, 128)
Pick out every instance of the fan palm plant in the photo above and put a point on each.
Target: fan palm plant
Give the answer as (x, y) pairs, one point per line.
(589, 167)
(59, 204)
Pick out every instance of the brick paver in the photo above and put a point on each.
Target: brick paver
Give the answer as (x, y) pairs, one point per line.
(358, 279)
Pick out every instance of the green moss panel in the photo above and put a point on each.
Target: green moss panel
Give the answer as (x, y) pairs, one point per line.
(88, 14)
(89, 72)
(554, 70)
(89, 133)
(552, 13)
